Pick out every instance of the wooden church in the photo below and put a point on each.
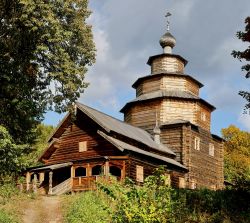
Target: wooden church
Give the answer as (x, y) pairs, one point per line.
(166, 124)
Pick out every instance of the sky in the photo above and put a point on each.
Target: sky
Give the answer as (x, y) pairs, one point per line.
(127, 33)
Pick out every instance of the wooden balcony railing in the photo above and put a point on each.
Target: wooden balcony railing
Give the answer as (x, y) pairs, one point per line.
(86, 183)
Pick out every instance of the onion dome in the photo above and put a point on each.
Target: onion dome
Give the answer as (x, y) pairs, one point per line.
(167, 42)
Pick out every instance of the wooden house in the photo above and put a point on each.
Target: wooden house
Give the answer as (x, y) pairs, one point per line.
(166, 124)
(94, 146)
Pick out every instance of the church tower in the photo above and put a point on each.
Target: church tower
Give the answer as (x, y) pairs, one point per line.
(183, 118)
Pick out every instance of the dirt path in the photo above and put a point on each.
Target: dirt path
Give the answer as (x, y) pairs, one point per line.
(43, 210)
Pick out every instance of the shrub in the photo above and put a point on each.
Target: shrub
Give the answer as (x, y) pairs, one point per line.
(87, 208)
(155, 202)
(7, 191)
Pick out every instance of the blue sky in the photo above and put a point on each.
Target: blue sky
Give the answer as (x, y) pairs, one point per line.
(128, 32)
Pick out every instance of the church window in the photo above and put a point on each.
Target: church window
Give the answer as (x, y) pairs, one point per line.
(211, 149)
(139, 173)
(197, 143)
(83, 146)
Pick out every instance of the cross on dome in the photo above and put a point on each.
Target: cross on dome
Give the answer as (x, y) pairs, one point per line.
(167, 41)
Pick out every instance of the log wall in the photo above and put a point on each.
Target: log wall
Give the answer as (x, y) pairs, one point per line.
(192, 87)
(143, 115)
(167, 64)
(171, 136)
(149, 167)
(171, 83)
(148, 86)
(69, 144)
(205, 170)
(203, 118)
(173, 109)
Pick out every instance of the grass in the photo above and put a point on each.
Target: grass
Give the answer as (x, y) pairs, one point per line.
(12, 203)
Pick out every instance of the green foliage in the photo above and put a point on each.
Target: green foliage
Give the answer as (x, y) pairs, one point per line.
(12, 156)
(43, 132)
(245, 37)
(236, 155)
(88, 208)
(151, 202)
(156, 202)
(7, 191)
(6, 217)
(45, 48)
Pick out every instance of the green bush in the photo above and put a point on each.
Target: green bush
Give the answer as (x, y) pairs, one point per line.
(88, 207)
(155, 202)
(7, 191)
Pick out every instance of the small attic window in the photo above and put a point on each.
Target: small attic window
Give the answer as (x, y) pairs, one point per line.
(83, 146)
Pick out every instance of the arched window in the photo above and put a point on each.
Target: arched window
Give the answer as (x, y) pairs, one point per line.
(115, 171)
(97, 170)
(80, 172)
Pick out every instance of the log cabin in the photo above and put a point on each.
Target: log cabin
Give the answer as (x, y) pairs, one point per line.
(166, 124)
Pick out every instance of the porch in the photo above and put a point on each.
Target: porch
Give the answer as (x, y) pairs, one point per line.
(71, 177)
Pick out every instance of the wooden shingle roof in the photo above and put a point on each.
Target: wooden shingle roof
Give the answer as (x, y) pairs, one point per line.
(112, 124)
(186, 95)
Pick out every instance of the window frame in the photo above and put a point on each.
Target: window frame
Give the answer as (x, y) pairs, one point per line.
(197, 142)
(82, 146)
(139, 173)
(211, 149)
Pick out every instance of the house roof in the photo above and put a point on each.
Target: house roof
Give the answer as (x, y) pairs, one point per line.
(167, 94)
(53, 167)
(125, 146)
(169, 74)
(112, 124)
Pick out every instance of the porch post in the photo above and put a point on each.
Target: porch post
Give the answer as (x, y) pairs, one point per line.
(106, 172)
(35, 183)
(41, 177)
(123, 171)
(27, 181)
(50, 182)
(72, 174)
(88, 170)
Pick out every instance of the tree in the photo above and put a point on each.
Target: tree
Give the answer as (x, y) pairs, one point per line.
(43, 132)
(45, 48)
(245, 37)
(11, 155)
(237, 154)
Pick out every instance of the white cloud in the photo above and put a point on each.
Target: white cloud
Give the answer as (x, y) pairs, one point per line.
(244, 119)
